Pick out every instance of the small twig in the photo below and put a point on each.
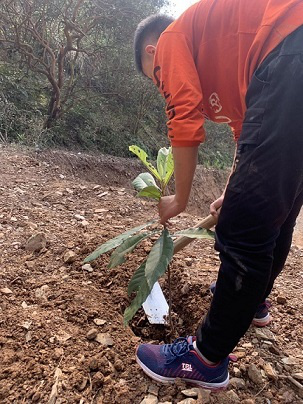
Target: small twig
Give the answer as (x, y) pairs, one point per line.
(90, 383)
(93, 399)
(259, 392)
(15, 280)
(295, 382)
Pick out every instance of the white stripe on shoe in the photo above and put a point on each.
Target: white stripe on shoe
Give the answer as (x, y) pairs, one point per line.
(262, 322)
(169, 380)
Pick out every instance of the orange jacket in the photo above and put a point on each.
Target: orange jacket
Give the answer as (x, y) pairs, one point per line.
(205, 59)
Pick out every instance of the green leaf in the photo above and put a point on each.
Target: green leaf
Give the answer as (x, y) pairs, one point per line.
(142, 294)
(143, 157)
(118, 256)
(169, 168)
(161, 161)
(144, 180)
(159, 258)
(138, 279)
(197, 232)
(150, 192)
(165, 164)
(155, 265)
(115, 242)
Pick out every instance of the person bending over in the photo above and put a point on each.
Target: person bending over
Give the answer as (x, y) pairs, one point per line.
(238, 62)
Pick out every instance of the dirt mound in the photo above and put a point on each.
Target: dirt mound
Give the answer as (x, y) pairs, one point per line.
(51, 309)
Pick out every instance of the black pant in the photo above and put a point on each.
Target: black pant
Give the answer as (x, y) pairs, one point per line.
(262, 201)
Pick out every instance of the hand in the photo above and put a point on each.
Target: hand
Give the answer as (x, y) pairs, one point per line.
(169, 207)
(216, 205)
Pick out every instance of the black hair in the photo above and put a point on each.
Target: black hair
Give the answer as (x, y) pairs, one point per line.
(155, 25)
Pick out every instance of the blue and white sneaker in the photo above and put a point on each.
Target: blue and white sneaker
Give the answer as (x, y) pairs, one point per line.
(262, 316)
(165, 363)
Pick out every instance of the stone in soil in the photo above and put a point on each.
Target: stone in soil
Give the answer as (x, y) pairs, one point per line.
(232, 396)
(237, 383)
(69, 257)
(99, 321)
(274, 350)
(153, 389)
(41, 293)
(239, 354)
(6, 291)
(36, 397)
(87, 267)
(91, 334)
(93, 364)
(281, 299)
(187, 401)
(29, 265)
(79, 217)
(254, 374)
(270, 371)
(36, 242)
(290, 360)
(119, 365)
(264, 333)
(150, 399)
(98, 380)
(237, 372)
(191, 392)
(104, 339)
(204, 396)
(298, 376)
(101, 210)
(81, 383)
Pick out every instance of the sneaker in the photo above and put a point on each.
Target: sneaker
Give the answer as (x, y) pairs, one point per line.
(165, 363)
(262, 316)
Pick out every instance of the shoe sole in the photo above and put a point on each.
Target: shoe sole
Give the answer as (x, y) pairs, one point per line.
(262, 322)
(170, 380)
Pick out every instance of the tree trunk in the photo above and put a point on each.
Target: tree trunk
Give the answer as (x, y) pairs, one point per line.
(54, 110)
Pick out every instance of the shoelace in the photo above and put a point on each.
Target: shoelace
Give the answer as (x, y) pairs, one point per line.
(178, 348)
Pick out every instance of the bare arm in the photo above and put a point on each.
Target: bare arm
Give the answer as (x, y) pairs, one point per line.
(185, 160)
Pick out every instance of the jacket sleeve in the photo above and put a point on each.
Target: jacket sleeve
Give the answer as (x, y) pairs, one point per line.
(177, 79)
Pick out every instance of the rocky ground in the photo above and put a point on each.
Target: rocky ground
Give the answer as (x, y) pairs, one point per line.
(62, 338)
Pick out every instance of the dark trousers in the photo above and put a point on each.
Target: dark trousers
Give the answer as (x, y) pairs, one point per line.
(262, 201)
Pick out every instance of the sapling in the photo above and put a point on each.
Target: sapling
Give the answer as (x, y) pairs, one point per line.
(152, 184)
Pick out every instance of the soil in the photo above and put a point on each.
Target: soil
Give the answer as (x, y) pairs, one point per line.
(51, 310)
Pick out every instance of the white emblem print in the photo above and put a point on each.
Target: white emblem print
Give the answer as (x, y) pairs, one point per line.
(214, 102)
(187, 367)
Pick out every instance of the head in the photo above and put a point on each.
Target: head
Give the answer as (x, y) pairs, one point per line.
(145, 42)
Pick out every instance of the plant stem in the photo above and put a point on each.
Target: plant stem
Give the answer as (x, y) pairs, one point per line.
(170, 300)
